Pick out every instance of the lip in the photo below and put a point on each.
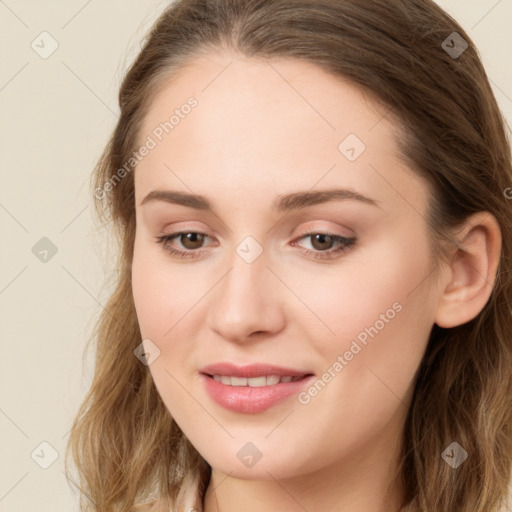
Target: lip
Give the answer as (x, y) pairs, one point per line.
(251, 400)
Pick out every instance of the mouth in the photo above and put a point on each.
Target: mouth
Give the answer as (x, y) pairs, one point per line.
(253, 388)
(256, 382)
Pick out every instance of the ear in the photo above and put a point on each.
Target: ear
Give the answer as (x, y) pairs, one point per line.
(471, 271)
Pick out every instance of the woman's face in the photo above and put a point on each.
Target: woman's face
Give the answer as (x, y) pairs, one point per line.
(279, 280)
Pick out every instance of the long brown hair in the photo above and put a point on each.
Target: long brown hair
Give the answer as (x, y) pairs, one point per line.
(126, 446)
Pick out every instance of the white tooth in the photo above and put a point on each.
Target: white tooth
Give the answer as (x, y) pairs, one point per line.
(272, 379)
(257, 382)
(238, 381)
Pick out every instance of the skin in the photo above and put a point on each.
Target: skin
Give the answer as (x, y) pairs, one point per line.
(260, 131)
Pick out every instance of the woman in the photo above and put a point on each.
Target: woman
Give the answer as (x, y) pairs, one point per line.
(312, 310)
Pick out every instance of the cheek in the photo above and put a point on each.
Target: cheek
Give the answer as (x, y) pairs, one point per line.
(161, 300)
(147, 294)
(162, 293)
(382, 313)
(379, 287)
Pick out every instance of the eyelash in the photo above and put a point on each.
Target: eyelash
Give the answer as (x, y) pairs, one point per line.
(346, 244)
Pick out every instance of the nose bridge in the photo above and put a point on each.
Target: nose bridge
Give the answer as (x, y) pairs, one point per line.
(245, 300)
(248, 270)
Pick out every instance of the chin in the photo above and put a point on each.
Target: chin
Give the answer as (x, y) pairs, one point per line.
(260, 459)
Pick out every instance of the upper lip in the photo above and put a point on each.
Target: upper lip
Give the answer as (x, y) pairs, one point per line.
(251, 370)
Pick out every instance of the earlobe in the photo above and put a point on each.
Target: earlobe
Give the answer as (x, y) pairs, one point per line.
(472, 271)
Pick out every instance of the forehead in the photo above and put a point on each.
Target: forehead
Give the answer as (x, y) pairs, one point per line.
(261, 124)
(232, 88)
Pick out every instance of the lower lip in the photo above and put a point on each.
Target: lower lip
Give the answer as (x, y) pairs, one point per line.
(251, 400)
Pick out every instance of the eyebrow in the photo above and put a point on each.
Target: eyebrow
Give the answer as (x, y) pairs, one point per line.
(283, 203)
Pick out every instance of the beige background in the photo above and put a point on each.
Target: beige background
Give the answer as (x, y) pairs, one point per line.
(56, 115)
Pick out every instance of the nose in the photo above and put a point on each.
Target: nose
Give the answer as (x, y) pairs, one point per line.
(248, 301)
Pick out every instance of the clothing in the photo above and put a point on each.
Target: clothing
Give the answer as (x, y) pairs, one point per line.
(189, 501)
(188, 498)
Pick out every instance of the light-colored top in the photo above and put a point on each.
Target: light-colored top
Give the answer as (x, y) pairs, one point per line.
(188, 497)
(188, 500)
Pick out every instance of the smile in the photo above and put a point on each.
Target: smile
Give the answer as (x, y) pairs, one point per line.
(255, 382)
(252, 388)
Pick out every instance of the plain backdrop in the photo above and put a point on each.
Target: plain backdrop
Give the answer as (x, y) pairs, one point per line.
(56, 115)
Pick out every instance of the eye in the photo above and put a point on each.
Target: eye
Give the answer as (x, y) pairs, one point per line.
(322, 241)
(192, 241)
